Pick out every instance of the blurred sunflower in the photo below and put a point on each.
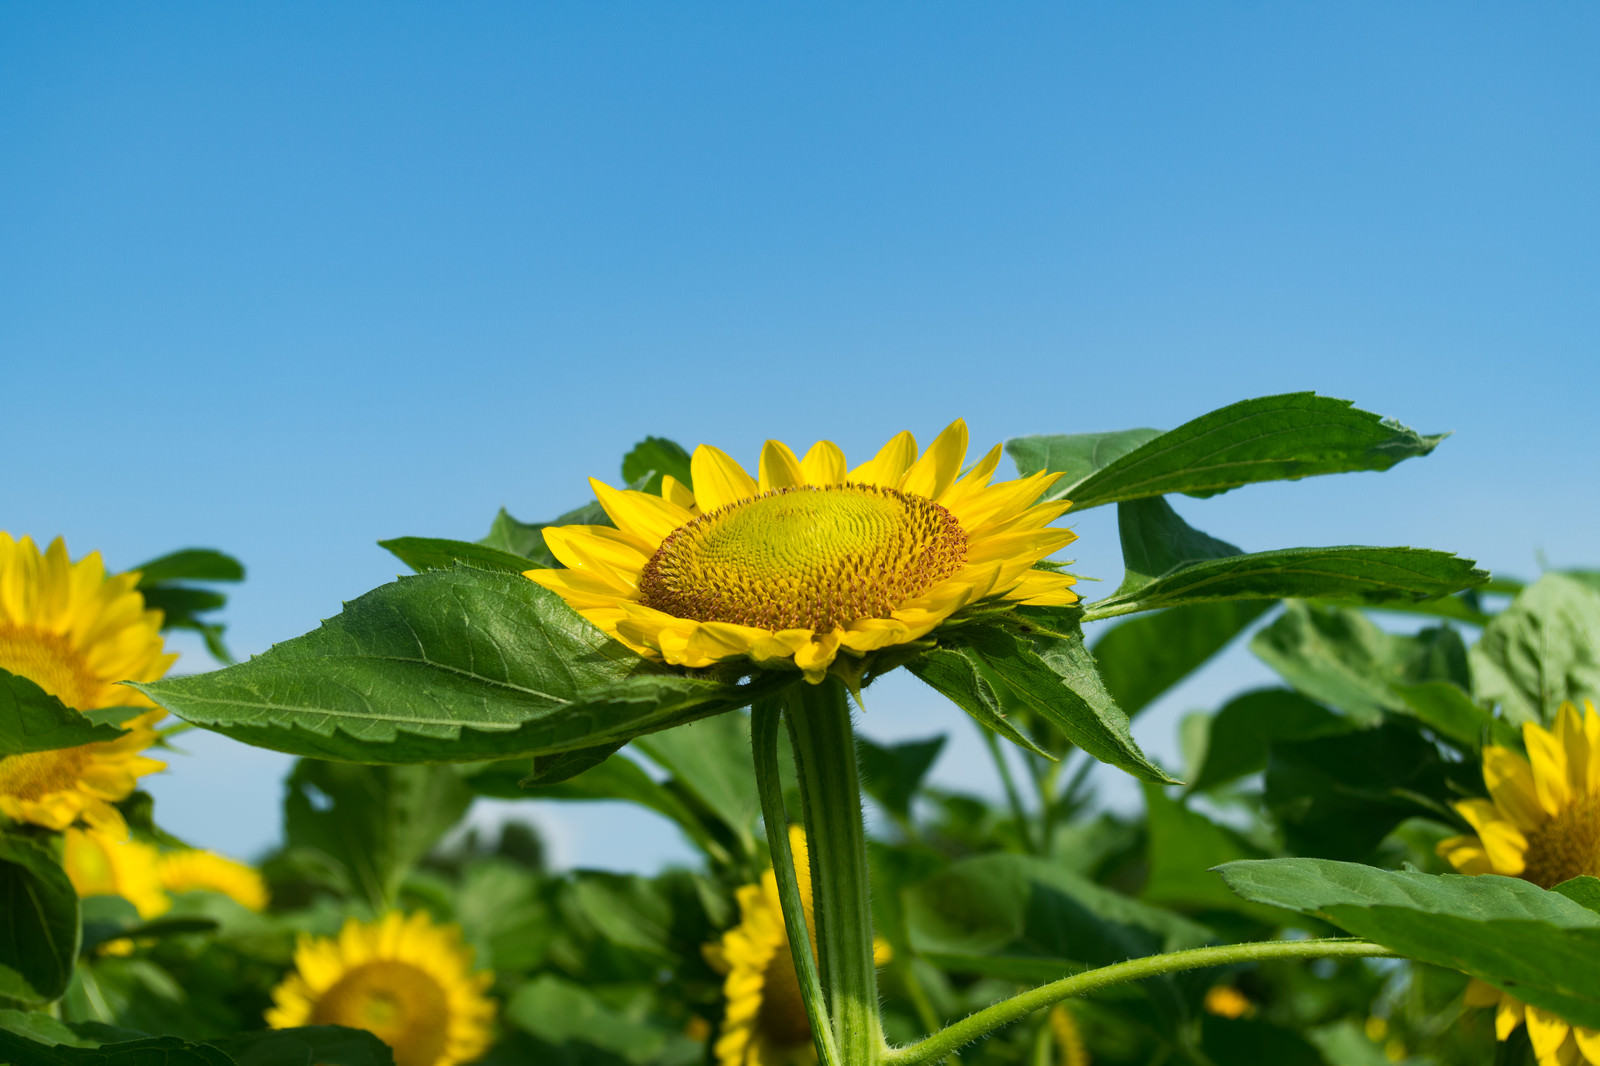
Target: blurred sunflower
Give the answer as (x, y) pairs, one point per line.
(102, 863)
(191, 870)
(403, 979)
(1541, 822)
(766, 1023)
(809, 558)
(75, 632)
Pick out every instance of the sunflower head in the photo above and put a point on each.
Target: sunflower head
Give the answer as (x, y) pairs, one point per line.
(101, 863)
(1541, 823)
(405, 980)
(75, 632)
(809, 559)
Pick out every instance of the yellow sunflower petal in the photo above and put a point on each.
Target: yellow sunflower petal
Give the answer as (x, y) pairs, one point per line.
(1507, 1016)
(609, 554)
(1588, 1041)
(676, 492)
(649, 517)
(1510, 782)
(1504, 843)
(1546, 1031)
(936, 471)
(890, 464)
(779, 468)
(824, 464)
(718, 480)
(1549, 763)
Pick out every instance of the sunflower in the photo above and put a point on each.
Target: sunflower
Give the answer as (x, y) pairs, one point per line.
(1541, 822)
(766, 1023)
(809, 558)
(101, 863)
(75, 632)
(191, 870)
(403, 979)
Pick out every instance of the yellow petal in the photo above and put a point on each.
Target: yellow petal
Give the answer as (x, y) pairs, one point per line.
(609, 554)
(779, 468)
(1507, 1016)
(936, 471)
(1549, 763)
(1588, 1041)
(973, 481)
(1574, 744)
(1466, 854)
(824, 464)
(650, 518)
(677, 492)
(718, 480)
(1510, 781)
(887, 467)
(1547, 1032)
(1502, 841)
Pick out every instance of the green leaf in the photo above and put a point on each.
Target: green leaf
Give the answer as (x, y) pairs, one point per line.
(450, 665)
(1339, 657)
(1243, 731)
(33, 720)
(1075, 456)
(564, 765)
(1250, 1042)
(1055, 678)
(1366, 575)
(1143, 657)
(38, 923)
(653, 457)
(1449, 712)
(312, 1045)
(375, 821)
(432, 553)
(1025, 918)
(41, 1028)
(1537, 945)
(1156, 542)
(1273, 438)
(572, 1025)
(959, 676)
(1583, 890)
(154, 1051)
(526, 539)
(189, 564)
(1338, 796)
(1542, 650)
(892, 773)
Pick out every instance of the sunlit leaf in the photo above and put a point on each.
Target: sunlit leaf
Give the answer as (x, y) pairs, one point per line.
(1543, 649)
(431, 553)
(652, 458)
(33, 720)
(1143, 657)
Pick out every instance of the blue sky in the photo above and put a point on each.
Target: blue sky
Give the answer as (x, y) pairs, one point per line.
(288, 279)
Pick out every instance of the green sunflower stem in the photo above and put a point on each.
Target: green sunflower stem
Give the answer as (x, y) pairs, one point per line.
(830, 788)
(981, 1023)
(764, 726)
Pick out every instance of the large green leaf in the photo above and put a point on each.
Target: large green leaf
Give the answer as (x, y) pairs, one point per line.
(189, 564)
(375, 821)
(892, 773)
(958, 674)
(162, 581)
(1183, 845)
(1538, 945)
(1075, 456)
(711, 761)
(1339, 657)
(33, 720)
(652, 458)
(154, 1051)
(312, 1045)
(450, 665)
(526, 539)
(1055, 678)
(38, 923)
(1025, 918)
(1542, 650)
(572, 1025)
(1157, 542)
(1143, 657)
(1273, 438)
(433, 553)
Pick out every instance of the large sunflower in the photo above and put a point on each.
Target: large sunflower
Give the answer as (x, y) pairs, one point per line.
(75, 632)
(1541, 822)
(809, 558)
(403, 979)
(766, 1023)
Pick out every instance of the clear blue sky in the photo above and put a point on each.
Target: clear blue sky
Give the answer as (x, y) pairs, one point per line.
(289, 278)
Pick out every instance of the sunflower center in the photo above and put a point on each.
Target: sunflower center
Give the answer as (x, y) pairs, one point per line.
(397, 1002)
(36, 774)
(782, 1016)
(50, 662)
(1566, 846)
(805, 558)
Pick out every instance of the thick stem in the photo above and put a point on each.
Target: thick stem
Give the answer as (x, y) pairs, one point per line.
(764, 727)
(1021, 1005)
(825, 756)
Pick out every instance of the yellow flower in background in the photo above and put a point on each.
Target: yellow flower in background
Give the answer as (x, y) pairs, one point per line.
(1541, 822)
(766, 1023)
(808, 558)
(1225, 1001)
(193, 870)
(403, 979)
(102, 863)
(75, 632)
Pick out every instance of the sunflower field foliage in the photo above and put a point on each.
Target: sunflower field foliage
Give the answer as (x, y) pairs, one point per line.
(1388, 856)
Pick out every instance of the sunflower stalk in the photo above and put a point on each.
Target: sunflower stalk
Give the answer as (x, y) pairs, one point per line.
(981, 1023)
(830, 789)
(764, 725)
